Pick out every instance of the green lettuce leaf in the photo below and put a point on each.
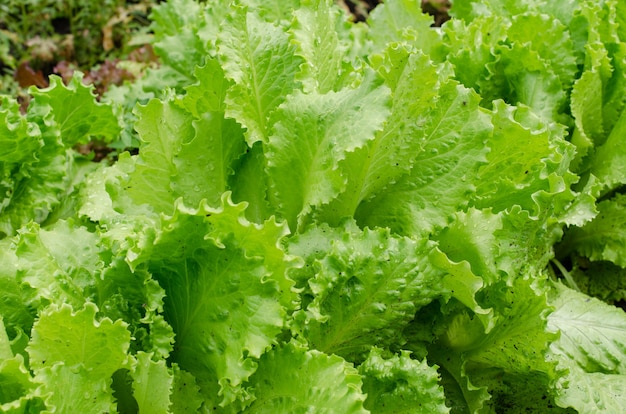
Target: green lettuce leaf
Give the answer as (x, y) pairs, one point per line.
(66, 389)
(476, 65)
(181, 31)
(250, 184)
(592, 332)
(590, 350)
(603, 237)
(60, 263)
(186, 397)
(444, 171)
(414, 82)
(208, 91)
(294, 379)
(550, 39)
(205, 163)
(162, 141)
(74, 356)
(314, 32)
(600, 279)
(16, 384)
(362, 295)
(401, 20)
(587, 99)
(593, 392)
(258, 58)
(499, 365)
(34, 185)
(401, 384)
(75, 111)
(225, 297)
(19, 302)
(20, 140)
(469, 10)
(607, 163)
(274, 10)
(527, 165)
(312, 134)
(78, 339)
(152, 384)
(538, 86)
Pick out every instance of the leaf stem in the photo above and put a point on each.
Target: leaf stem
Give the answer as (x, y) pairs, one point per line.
(566, 274)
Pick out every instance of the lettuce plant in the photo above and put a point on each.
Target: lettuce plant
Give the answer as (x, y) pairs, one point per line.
(326, 217)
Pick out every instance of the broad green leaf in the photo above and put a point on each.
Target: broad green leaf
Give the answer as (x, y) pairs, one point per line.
(18, 301)
(603, 36)
(314, 33)
(204, 164)
(593, 392)
(250, 184)
(313, 133)
(20, 140)
(186, 397)
(5, 345)
(152, 384)
(592, 333)
(61, 262)
(462, 283)
(444, 171)
(591, 350)
(77, 344)
(18, 393)
(527, 157)
(106, 199)
(180, 41)
(223, 298)
(595, 104)
(36, 190)
(620, 20)
(258, 240)
(565, 11)
(362, 294)
(208, 92)
(401, 20)
(519, 340)
(513, 350)
(550, 39)
(461, 393)
(526, 244)
(400, 384)
(274, 10)
(259, 59)
(16, 384)
(475, 65)
(603, 237)
(614, 102)
(414, 82)
(75, 111)
(587, 99)
(471, 237)
(137, 299)
(469, 10)
(163, 128)
(600, 279)
(537, 86)
(608, 163)
(518, 394)
(74, 389)
(293, 379)
(487, 52)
